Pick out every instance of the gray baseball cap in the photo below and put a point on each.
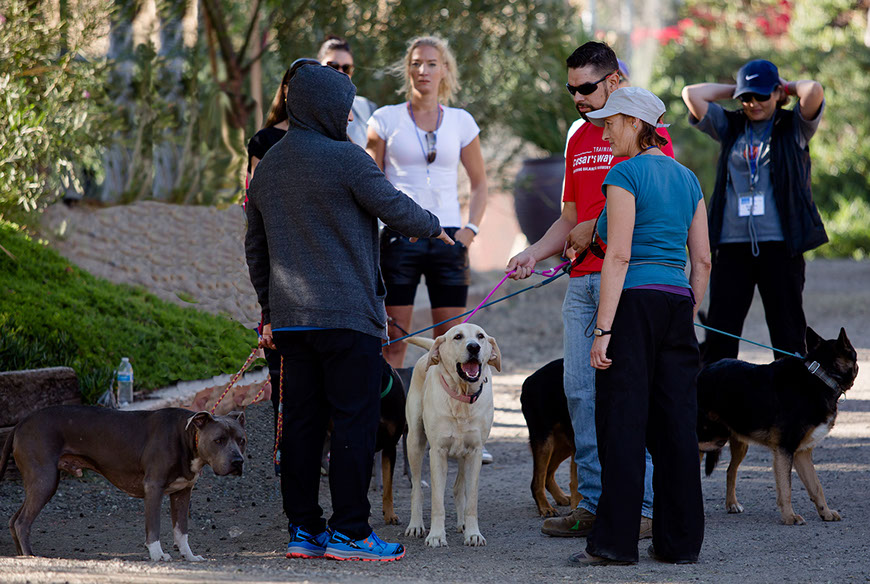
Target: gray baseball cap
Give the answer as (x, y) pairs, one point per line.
(631, 101)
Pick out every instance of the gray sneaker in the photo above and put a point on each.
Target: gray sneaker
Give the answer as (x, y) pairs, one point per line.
(576, 524)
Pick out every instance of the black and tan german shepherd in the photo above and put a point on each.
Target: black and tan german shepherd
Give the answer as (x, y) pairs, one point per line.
(551, 435)
(789, 406)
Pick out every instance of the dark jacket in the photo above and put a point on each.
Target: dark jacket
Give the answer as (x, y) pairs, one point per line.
(790, 175)
(312, 240)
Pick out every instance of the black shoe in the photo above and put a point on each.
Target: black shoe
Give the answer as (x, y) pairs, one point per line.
(652, 553)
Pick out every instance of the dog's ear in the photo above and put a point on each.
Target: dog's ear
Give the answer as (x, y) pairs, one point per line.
(435, 352)
(843, 341)
(813, 339)
(199, 419)
(495, 356)
(239, 416)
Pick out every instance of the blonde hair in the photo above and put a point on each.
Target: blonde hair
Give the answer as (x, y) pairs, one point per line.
(449, 82)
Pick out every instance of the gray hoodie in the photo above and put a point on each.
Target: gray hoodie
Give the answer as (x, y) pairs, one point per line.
(313, 204)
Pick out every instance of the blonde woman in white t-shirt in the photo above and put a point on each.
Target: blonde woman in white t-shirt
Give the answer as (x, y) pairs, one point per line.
(419, 145)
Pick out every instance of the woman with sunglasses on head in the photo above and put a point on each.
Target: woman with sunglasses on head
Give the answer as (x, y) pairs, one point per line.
(645, 352)
(762, 215)
(335, 52)
(419, 144)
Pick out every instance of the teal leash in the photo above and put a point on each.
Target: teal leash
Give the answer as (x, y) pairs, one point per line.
(709, 328)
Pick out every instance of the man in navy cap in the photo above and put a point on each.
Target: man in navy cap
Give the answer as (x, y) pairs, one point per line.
(762, 217)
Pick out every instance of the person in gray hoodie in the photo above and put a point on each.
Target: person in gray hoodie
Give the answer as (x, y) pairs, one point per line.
(313, 256)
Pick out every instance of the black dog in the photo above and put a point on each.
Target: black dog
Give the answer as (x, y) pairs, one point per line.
(391, 427)
(788, 405)
(551, 435)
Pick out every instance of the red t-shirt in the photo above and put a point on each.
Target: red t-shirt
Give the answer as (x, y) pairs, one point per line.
(588, 159)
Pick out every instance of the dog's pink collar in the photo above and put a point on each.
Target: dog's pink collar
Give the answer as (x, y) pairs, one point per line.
(463, 397)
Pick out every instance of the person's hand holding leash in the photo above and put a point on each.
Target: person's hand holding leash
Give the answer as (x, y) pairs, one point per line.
(598, 355)
(266, 340)
(580, 237)
(522, 265)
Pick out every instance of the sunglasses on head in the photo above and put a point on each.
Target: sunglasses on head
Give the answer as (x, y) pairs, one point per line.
(430, 143)
(748, 97)
(347, 68)
(586, 88)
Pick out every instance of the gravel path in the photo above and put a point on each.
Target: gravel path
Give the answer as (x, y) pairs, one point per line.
(91, 532)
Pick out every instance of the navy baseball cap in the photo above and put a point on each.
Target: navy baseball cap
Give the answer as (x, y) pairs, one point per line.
(757, 76)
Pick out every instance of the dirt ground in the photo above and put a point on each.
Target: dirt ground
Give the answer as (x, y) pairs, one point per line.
(91, 532)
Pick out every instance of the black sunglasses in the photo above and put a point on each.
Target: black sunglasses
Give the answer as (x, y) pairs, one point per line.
(430, 142)
(748, 97)
(586, 88)
(347, 68)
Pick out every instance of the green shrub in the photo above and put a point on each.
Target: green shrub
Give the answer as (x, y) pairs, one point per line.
(52, 313)
(848, 228)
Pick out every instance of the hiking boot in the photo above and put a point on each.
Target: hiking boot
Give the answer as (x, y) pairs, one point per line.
(368, 549)
(576, 524)
(304, 545)
(645, 528)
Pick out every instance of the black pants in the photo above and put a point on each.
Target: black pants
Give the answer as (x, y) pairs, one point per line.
(647, 398)
(329, 374)
(780, 280)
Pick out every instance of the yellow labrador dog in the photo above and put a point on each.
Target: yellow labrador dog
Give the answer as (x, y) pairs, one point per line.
(450, 405)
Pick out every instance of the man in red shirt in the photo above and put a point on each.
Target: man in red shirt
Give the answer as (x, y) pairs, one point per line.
(593, 74)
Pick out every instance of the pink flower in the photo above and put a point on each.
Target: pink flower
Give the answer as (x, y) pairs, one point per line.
(86, 94)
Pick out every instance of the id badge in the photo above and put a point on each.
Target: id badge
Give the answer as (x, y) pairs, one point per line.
(750, 204)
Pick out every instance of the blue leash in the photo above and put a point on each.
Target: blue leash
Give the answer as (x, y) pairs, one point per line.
(551, 279)
(709, 328)
(538, 285)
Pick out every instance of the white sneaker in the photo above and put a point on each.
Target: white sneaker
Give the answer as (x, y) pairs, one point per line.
(486, 457)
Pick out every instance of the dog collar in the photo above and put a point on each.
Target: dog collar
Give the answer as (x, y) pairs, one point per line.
(816, 369)
(465, 398)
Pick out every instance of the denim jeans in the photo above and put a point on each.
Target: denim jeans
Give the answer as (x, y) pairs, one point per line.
(578, 311)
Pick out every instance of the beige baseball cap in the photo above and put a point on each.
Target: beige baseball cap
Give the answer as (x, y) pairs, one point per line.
(631, 101)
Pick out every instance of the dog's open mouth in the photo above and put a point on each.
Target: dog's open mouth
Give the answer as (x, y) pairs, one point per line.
(469, 371)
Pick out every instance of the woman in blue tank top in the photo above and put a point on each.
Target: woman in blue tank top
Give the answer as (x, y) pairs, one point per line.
(645, 348)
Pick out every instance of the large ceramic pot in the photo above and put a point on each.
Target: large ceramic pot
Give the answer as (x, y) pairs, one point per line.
(538, 195)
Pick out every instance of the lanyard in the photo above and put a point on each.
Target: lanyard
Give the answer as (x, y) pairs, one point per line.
(420, 141)
(751, 154)
(645, 149)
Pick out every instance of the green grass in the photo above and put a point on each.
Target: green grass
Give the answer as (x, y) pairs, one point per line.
(848, 228)
(52, 313)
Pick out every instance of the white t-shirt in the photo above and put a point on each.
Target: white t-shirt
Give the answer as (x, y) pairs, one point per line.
(405, 157)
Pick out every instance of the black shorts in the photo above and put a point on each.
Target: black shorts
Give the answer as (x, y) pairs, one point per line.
(445, 267)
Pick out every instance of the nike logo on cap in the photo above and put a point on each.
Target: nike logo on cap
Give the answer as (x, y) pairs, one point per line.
(751, 77)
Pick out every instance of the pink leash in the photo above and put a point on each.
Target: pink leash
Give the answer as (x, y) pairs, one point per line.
(546, 273)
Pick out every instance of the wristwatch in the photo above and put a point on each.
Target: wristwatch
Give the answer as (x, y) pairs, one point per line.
(599, 333)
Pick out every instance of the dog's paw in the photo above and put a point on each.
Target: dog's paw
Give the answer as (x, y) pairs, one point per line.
(415, 530)
(193, 558)
(561, 500)
(436, 540)
(391, 519)
(475, 540)
(548, 512)
(830, 515)
(735, 508)
(793, 519)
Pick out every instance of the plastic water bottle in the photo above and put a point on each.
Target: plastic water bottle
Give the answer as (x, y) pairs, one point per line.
(125, 382)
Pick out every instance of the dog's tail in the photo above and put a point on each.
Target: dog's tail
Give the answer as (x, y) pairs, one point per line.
(421, 342)
(7, 452)
(711, 459)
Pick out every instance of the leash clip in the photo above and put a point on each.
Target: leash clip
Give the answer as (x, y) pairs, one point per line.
(814, 366)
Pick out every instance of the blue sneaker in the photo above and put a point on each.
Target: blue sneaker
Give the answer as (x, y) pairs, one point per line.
(369, 549)
(305, 545)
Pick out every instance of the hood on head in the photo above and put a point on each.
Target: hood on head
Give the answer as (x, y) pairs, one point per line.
(319, 98)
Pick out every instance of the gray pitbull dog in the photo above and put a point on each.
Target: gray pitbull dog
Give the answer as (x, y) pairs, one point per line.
(145, 454)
